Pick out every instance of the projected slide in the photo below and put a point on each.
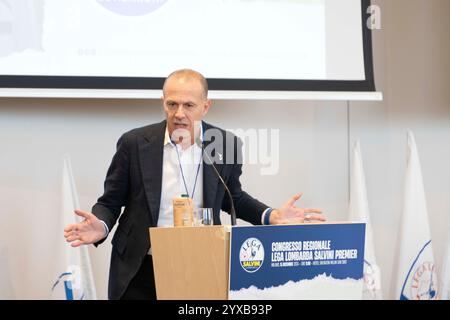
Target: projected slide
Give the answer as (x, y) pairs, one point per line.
(226, 39)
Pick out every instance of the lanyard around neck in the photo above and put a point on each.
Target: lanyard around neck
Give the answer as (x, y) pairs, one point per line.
(182, 172)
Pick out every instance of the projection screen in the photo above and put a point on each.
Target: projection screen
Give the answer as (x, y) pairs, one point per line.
(278, 45)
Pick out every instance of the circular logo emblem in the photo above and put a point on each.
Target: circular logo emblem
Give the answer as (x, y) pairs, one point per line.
(251, 255)
(424, 282)
(132, 7)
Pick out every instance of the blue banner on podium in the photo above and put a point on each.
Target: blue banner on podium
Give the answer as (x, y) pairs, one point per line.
(313, 261)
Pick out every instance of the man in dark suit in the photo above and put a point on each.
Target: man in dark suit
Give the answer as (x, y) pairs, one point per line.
(156, 163)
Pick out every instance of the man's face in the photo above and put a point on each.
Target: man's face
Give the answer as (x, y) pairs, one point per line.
(185, 105)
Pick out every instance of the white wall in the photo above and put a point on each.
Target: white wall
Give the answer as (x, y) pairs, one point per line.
(412, 69)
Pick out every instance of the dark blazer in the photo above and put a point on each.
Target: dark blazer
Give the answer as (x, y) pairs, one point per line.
(134, 181)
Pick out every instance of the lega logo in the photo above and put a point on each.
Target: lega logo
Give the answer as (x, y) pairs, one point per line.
(251, 255)
(424, 282)
(132, 7)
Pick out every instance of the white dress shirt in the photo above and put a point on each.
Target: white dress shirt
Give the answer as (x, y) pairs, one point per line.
(173, 184)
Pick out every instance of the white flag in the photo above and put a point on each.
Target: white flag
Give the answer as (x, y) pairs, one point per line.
(446, 273)
(416, 277)
(6, 289)
(75, 280)
(359, 211)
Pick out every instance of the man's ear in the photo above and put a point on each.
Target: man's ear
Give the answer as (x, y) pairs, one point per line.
(206, 107)
(163, 104)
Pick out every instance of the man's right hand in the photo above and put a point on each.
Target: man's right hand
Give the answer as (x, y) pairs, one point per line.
(90, 230)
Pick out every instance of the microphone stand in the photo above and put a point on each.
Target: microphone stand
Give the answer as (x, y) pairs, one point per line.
(232, 211)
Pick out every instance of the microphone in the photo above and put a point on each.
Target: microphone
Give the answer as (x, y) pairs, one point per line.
(199, 142)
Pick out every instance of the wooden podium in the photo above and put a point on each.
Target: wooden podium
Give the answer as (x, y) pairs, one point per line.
(191, 263)
(305, 261)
